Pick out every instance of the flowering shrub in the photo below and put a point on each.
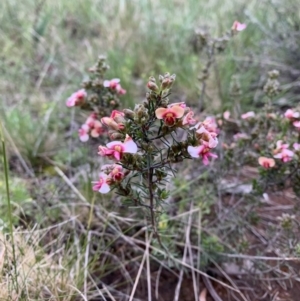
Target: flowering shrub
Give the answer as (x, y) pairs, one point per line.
(212, 46)
(146, 142)
(270, 140)
(99, 96)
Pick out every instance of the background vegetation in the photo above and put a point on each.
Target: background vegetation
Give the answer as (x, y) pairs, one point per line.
(71, 244)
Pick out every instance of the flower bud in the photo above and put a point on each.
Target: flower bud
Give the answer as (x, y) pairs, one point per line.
(119, 119)
(129, 113)
(152, 86)
(110, 123)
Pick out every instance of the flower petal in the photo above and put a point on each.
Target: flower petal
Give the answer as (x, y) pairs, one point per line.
(104, 188)
(130, 147)
(114, 143)
(160, 112)
(194, 151)
(117, 155)
(84, 138)
(178, 111)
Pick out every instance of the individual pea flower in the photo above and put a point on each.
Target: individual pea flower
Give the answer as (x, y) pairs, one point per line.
(95, 126)
(188, 119)
(280, 146)
(115, 149)
(291, 114)
(248, 115)
(102, 184)
(202, 151)
(116, 120)
(210, 124)
(84, 133)
(77, 98)
(180, 104)
(296, 146)
(240, 136)
(114, 84)
(117, 173)
(237, 26)
(170, 115)
(114, 171)
(285, 155)
(266, 162)
(110, 123)
(120, 90)
(226, 115)
(204, 135)
(296, 124)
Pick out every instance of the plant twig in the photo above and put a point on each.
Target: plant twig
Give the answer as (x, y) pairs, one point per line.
(6, 176)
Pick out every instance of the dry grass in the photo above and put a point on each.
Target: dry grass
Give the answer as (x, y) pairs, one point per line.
(38, 275)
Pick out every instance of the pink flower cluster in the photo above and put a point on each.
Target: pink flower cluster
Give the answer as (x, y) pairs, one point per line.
(293, 117)
(92, 127)
(77, 98)
(114, 84)
(110, 174)
(206, 133)
(280, 152)
(113, 173)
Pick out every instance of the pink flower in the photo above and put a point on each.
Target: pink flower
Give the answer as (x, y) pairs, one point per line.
(210, 137)
(101, 185)
(77, 98)
(240, 136)
(97, 129)
(116, 113)
(117, 173)
(84, 133)
(169, 115)
(248, 115)
(266, 162)
(120, 90)
(114, 171)
(113, 83)
(116, 149)
(91, 120)
(285, 155)
(109, 122)
(296, 124)
(105, 152)
(188, 119)
(210, 124)
(226, 115)
(92, 127)
(290, 114)
(279, 147)
(237, 26)
(201, 151)
(181, 104)
(296, 146)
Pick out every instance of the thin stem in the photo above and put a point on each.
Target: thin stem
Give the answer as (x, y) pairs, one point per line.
(151, 199)
(210, 61)
(6, 175)
(150, 178)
